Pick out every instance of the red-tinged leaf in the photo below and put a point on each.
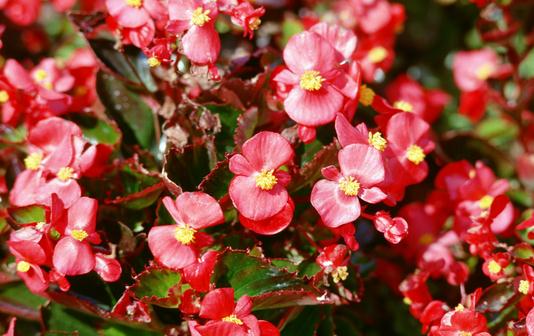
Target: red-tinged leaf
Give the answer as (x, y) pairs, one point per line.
(311, 170)
(159, 286)
(141, 199)
(246, 123)
(217, 181)
(185, 168)
(268, 285)
(495, 298)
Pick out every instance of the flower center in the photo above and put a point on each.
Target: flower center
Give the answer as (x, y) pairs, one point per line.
(465, 333)
(377, 141)
(232, 319)
(266, 180)
(200, 16)
(485, 202)
(524, 286)
(426, 239)
(79, 234)
(33, 161)
(415, 154)
(484, 71)
(459, 308)
(185, 234)
(311, 80)
(4, 96)
(40, 75)
(377, 54)
(340, 274)
(23, 266)
(349, 186)
(65, 173)
(134, 3)
(254, 23)
(40, 226)
(367, 95)
(153, 62)
(403, 106)
(494, 267)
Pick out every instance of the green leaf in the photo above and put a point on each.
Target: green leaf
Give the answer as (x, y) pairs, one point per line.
(188, 166)
(526, 67)
(29, 214)
(121, 330)
(19, 297)
(306, 323)
(142, 199)
(228, 115)
(60, 320)
(268, 285)
(131, 113)
(216, 183)
(96, 130)
(159, 286)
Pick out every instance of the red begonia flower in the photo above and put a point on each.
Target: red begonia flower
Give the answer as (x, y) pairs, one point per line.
(177, 246)
(258, 189)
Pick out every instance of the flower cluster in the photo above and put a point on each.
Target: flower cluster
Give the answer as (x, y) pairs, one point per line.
(258, 168)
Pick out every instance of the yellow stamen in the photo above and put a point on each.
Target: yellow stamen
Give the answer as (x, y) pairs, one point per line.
(494, 267)
(134, 3)
(415, 154)
(524, 287)
(377, 54)
(485, 202)
(311, 80)
(407, 301)
(484, 71)
(465, 333)
(403, 106)
(472, 173)
(4, 96)
(266, 180)
(349, 186)
(426, 239)
(459, 308)
(65, 173)
(254, 24)
(40, 226)
(153, 62)
(340, 274)
(185, 234)
(33, 161)
(40, 75)
(377, 141)
(23, 266)
(232, 319)
(199, 17)
(79, 234)
(367, 95)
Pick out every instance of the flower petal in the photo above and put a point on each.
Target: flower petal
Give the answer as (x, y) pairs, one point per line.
(333, 206)
(72, 257)
(362, 162)
(167, 250)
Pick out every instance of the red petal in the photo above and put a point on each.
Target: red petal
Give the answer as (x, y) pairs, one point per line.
(271, 225)
(167, 250)
(72, 257)
(267, 150)
(109, 269)
(334, 207)
(362, 162)
(217, 304)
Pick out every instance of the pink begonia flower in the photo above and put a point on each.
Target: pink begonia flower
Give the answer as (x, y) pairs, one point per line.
(319, 85)
(336, 198)
(177, 246)
(258, 189)
(135, 13)
(201, 42)
(471, 69)
(73, 254)
(29, 256)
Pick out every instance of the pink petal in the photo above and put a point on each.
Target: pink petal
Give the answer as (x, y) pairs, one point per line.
(198, 275)
(82, 215)
(240, 166)
(68, 191)
(331, 173)
(167, 250)
(313, 108)
(221, 328)
(334, 207)
(18, 76)
(347, 134)
(217, 304)
(131, 17)
(287, 77)
(267, 150)
(109, 269)
(243, 307)
(181, 9)
(343, 40)
(199, 210)
(72, 257)
(372, 195)
(253, 202)
(202, 44)
(271, 225)
(362, 162)
(36, 279)
(309, 51)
